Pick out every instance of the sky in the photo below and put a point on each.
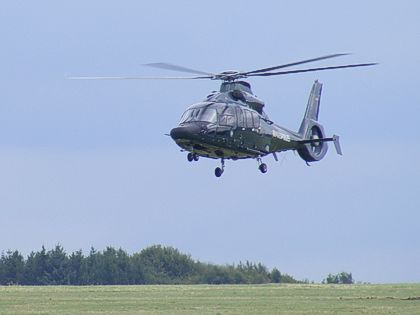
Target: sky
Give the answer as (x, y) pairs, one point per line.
(86, 163)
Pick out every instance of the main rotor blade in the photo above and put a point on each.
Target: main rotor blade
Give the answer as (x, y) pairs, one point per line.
(168, 66)
(311, 69)
(293, 64)
(138, 78)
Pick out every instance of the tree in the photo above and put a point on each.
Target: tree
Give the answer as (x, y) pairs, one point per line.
(339, 278)
(116, 266)
(285, 278)
(275, 276)
(56, 266)
(217, 275)
(137, 271)
(166, 265)
(12, 268)
(76, 268)
(94, 268)
(124, 266)
(254, 273)
(35, 272)
(346, 278)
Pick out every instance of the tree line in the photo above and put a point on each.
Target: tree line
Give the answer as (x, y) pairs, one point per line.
(152, 265)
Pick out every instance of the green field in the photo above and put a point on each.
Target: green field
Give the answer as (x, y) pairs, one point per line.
(212, 299)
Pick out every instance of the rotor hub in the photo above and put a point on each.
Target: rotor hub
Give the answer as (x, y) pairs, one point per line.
(229, 75)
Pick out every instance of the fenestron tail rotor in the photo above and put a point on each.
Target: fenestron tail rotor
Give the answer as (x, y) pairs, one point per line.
(229, 75)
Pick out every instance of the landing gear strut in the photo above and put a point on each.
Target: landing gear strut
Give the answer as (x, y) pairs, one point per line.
(219, 170)
(262, 166)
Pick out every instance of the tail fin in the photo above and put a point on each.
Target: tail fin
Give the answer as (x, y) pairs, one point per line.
(314, 143)
(310, 130)
(312, 109)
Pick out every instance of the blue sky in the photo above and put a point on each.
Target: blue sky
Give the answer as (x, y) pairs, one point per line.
(86, 163)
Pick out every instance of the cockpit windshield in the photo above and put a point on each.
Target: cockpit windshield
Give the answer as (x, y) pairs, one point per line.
(206, 114)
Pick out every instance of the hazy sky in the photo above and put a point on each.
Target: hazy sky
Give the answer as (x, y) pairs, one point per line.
(86, 163)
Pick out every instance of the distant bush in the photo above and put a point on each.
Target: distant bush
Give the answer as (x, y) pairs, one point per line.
(339, 278)
(153, 265)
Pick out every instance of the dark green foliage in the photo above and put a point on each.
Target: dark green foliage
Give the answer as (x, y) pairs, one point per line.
(153, 265)
(254, 273)
(166, 265)
(56, 266)
(340, 278)
(275, 275)
(36, 268)
(76, 268)
(285, 278)
(11, 268)
(212, 274)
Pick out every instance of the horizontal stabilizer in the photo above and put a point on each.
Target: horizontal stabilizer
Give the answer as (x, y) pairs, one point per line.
(335, 139)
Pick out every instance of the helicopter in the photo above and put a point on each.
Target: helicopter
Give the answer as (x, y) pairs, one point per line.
(230, 124)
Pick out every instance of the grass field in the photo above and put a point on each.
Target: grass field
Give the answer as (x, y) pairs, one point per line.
(206, 299)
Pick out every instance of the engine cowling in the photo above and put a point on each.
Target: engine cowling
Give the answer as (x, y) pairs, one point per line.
(312, 152)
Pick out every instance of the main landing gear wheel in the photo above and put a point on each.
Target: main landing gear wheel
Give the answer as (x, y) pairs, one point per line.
(263, 168)
(219, 170)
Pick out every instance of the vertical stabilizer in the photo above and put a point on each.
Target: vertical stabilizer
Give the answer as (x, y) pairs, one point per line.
(311, 129)
(312, 108)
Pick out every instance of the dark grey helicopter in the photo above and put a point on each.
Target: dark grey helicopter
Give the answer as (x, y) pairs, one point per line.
(231, 123)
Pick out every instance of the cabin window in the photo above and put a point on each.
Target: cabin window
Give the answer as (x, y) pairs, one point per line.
(227, 120)
(252, 119)
(256, 120)
(227, 116)
(240, 117)
(248, 119)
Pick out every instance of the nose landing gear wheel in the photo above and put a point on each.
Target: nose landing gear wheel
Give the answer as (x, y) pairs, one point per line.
(192, 157)
(263, 168)
(218, 172)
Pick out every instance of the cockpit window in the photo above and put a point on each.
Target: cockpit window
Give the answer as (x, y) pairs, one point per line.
(200, 114)
(208, 115)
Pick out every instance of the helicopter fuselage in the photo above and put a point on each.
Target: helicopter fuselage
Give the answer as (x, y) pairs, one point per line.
(231, 124)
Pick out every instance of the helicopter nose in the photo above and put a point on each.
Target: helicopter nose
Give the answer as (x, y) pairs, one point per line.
(185, 132)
